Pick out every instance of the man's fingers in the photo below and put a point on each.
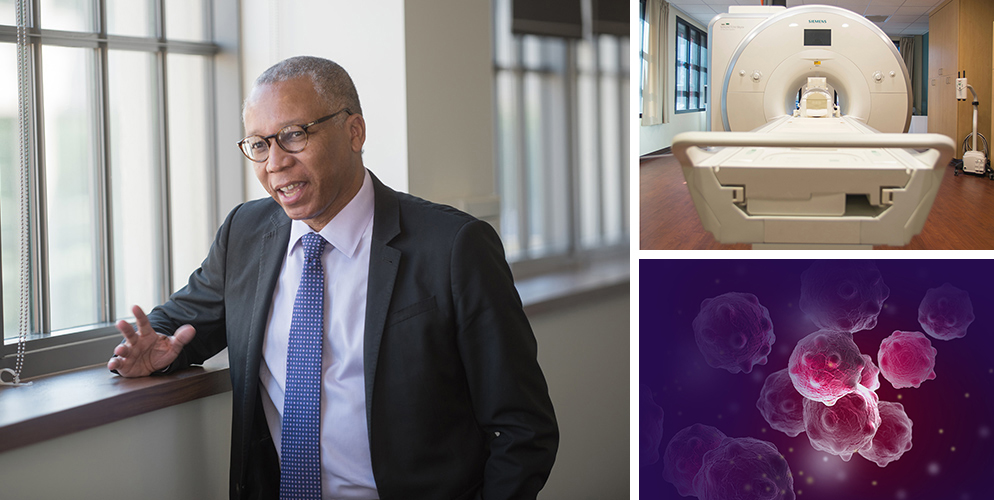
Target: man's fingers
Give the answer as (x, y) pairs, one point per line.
(129, 333)
(141, 320)
(184, 335)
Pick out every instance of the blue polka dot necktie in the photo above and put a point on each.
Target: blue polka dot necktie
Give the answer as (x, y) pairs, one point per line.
(300, 460)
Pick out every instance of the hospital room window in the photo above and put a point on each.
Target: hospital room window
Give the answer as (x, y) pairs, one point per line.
(691, 67)
(121, 162)
(562, 144)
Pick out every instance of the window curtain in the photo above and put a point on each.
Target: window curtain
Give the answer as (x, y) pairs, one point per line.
(655, 110)
(907, 44)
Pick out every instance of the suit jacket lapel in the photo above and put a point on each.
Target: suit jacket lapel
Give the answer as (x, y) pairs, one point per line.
(384, 261)
(272, 248)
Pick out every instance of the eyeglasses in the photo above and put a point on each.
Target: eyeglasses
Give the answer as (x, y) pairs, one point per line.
(292, 139)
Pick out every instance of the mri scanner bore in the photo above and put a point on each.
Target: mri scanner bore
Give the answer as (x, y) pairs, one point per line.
(807, 147)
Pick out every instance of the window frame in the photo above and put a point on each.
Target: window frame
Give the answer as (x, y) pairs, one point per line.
(699, 39)
(48, 351)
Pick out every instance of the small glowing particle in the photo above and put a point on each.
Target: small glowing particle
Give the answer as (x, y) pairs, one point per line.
(719, 416)
(799, 492)
(933, 468)
(791, 449)
(747, 487)
(953, 448)
(763, 430)
(811, 480)
(874, 482)
(800, 473)
(984, 432)
(900, 396)
(967, 395)
(824, 459)
(941, 431)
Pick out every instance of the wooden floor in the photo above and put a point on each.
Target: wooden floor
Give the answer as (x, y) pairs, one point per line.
(962, 217)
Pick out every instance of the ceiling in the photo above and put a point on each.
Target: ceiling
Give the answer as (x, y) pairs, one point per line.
(904, 17)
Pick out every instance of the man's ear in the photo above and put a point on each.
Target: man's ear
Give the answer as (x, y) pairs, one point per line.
(357, 132)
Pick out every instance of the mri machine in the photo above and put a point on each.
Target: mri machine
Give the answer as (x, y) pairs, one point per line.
(808, 110)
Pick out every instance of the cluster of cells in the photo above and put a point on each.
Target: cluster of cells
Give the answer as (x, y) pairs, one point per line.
(945, 312)
(827, 391)
(701, 461)
(734, 332)
(844, 296)
(906, 359)
(651, 422)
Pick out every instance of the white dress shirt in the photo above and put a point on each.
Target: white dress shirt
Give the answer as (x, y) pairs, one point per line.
(346, 468)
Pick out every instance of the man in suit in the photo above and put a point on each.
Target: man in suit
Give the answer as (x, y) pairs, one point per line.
(429, 383)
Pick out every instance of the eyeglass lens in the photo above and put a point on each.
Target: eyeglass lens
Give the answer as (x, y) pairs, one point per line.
(292, 139)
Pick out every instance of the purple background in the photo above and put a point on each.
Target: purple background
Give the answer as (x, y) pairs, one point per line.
(690, 391)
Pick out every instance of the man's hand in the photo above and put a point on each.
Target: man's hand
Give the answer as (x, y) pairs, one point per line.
(145, 351)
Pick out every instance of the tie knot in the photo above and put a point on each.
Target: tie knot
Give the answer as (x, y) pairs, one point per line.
(313, 245)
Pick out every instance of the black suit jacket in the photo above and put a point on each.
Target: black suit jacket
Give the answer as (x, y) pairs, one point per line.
(456, 404)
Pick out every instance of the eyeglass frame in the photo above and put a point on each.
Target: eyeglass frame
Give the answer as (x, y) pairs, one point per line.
(280, 143)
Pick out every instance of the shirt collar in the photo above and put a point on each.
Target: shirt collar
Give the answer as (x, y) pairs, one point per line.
(345, 230)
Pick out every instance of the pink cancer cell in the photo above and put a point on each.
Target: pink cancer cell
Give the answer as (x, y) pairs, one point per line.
(651, 423)
(870, 377)
(846, 427)
(734, 332)
(843, 295)
(781, 405)
(744, 469)
(893, 437)
(685, 453)
(945, 312)
(825, 366)
(906, 359)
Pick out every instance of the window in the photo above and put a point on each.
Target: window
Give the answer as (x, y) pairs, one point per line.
(562, 143)
(691, 67)
(122, 163)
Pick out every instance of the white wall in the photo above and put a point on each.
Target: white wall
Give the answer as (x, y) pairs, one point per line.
(656, 137)
(584, 353)
(177, 452)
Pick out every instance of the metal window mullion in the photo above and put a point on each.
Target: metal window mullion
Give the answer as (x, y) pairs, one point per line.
(41, 312)
(165, 217)
(623, 140)
(522, 163)
(103, 217)
(570, 84)
(598, 132)
(548, 165)
(212, 141)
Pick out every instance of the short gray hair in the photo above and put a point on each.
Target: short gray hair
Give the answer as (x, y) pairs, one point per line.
(330, 80)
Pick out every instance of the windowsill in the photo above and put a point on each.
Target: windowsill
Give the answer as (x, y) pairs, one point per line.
(76, 400)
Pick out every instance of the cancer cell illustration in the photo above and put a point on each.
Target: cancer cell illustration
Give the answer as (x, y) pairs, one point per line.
(946, 312)
(734, 332)
(844, 296)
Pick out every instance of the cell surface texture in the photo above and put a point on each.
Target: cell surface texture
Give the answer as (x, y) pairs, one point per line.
(906, 359)
(651, 432)
(781, 405)
(843, 295)
(744, 469)
(844, 428)
(870, 377)
(685, 453)
(945, 312)
(893, 438)
(825, 366)
(734, 332)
